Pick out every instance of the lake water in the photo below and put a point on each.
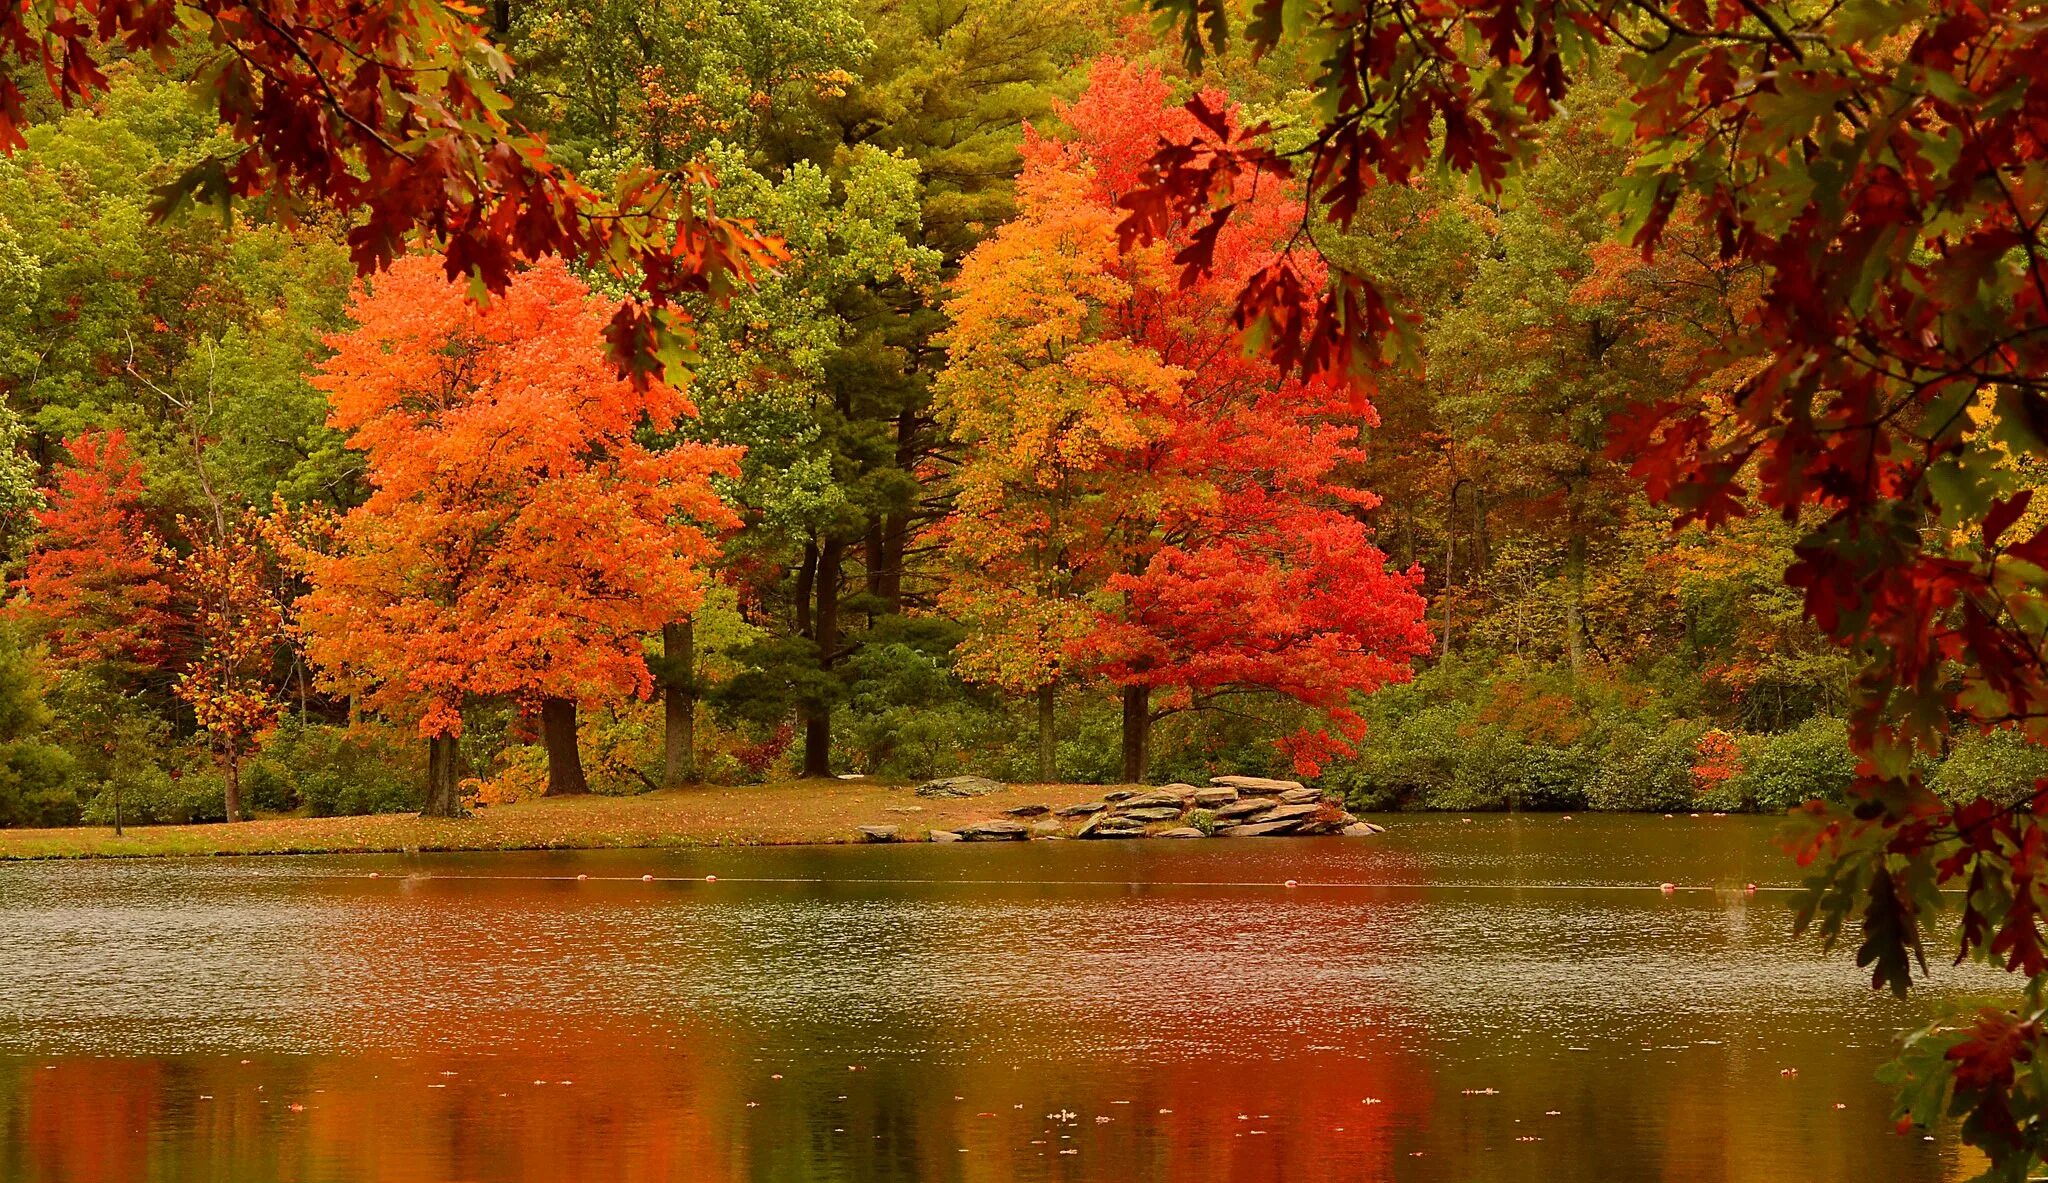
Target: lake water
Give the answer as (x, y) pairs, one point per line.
(1510, 999)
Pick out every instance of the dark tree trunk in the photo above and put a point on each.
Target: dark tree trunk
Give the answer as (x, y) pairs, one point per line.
(441, 797)
(234, 785)
(1137, 733)
(679, 703)
(818, 718)
(558, 732)
(1045, 733)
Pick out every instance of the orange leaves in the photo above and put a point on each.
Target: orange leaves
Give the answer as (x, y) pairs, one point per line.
(521, 536)
(1139, 499)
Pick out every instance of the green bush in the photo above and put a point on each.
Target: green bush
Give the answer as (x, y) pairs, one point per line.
(334, 771)
(1781, 771)
(36, 776)
(150, 795)
(1648, 772)
(2000, 765)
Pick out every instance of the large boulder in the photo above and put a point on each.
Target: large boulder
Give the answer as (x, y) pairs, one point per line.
(959, 786)
(1151, 813)
(995, 830)
(1362, 830)
(878, 833)
(1300, 796)
(944, 836)
(1215, 798)
(1256, 786)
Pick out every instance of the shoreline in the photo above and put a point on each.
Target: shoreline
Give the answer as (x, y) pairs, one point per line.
(788, 813)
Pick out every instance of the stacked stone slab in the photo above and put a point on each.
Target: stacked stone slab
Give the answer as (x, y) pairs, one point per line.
(1238, 807)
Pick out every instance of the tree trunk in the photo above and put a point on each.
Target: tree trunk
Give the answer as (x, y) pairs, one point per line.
(558, 732)
(1575, 595)
(1137, 733)
(441, 796)
(679, 703)
(818, 718)
(234, 785)
(1045, 734)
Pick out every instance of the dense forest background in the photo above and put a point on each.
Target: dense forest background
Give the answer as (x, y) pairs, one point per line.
(165, 420)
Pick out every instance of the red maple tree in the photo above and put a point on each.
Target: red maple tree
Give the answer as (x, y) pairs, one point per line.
(1142, 499)
(96, 586)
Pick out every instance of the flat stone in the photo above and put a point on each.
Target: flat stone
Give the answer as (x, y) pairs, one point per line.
(1298, 796)
(995, 830)
(1151, 813)
(1319, 825)
(878, 833)
(1119, 794)
(906, 809)
(959, 786)
(1257, 786)
(1258, 829)
(1084, 808)
(1180, 832)
(1154, 797)
(944, 836)
(1179, 789)
(1045, 829)
(1111, 827)
(1028, 811)
(1214, 798)
(1243, 810)
(1289, 813)
(1362, 830)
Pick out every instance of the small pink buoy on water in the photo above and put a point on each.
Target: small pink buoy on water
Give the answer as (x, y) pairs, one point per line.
(376, 875)
(710, 878)
(1567, 817)
(1788, 1071)
(646, 878)
(1749, 889)
(1668, 888)
(1293, 883)
(581, 878)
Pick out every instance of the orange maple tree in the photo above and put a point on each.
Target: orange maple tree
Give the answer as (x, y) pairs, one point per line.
(96, 587)
(1141, 499)
(520, 539)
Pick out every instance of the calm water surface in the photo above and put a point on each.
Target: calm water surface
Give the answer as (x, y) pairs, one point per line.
(1506, 1000)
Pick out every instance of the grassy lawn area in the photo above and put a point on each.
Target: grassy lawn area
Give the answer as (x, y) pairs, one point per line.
(757, 815)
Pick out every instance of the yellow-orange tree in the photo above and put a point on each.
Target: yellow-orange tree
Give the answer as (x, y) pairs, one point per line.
(1138, 498)
(519, 539)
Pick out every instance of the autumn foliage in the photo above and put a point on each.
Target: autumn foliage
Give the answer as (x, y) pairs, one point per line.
(97, 586)
(520, 538)
(1142, 500)
(1881, 170)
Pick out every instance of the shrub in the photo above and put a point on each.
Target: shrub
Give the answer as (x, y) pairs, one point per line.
(1780, 771)
(151, 795)
(1649, 772)
(2000, 765)
(333, 771)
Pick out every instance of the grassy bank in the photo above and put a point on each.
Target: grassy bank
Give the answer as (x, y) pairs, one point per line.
(757, 815)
